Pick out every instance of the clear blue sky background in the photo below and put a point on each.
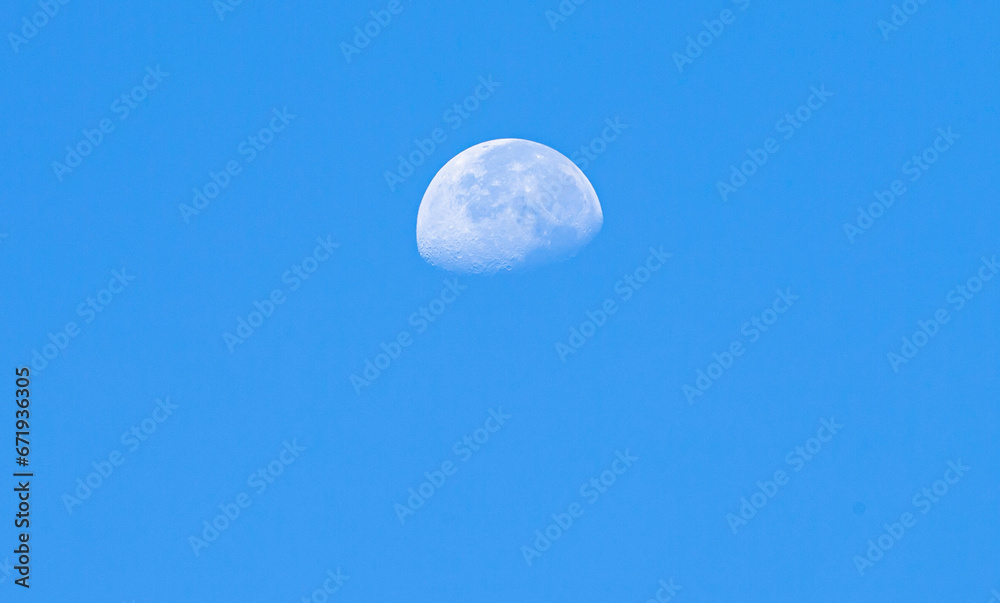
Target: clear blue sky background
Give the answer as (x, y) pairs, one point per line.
(494, 347)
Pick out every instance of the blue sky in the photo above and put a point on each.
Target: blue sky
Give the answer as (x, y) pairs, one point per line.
(810, 375)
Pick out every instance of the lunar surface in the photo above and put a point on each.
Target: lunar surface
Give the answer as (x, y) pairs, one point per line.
(506, 204)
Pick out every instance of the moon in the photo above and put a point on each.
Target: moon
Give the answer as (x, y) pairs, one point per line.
(506, 204)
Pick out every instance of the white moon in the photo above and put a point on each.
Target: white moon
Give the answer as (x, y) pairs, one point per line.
(504, 204)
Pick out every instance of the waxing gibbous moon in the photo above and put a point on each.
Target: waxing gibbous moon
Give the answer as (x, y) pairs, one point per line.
(505, 204)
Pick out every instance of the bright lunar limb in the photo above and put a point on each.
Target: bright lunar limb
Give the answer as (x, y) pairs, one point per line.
(505, 204)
